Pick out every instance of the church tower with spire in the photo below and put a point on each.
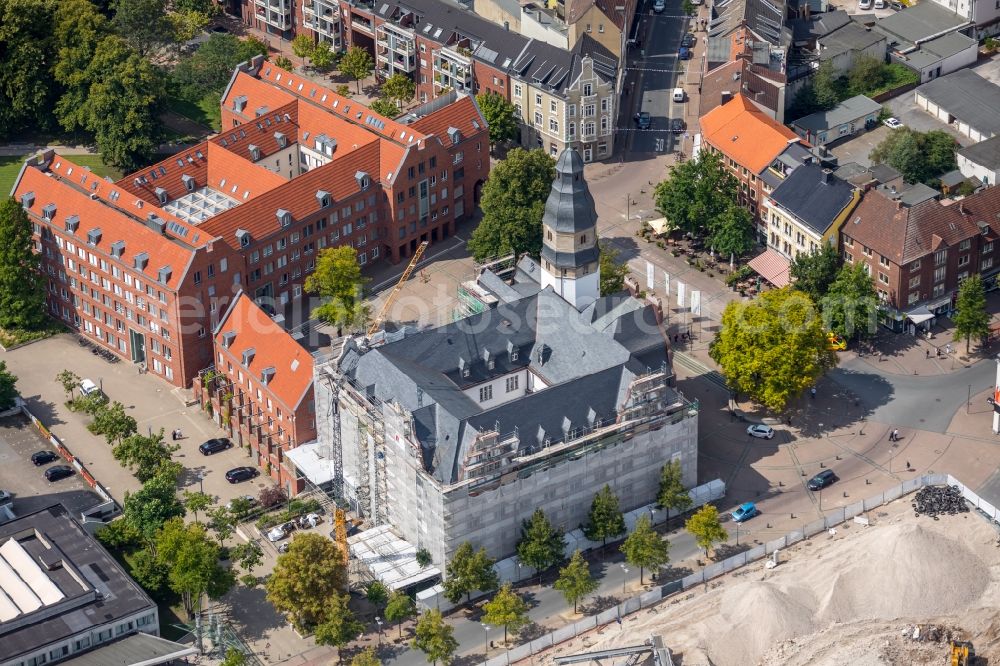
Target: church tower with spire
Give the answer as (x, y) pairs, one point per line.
(570, 259)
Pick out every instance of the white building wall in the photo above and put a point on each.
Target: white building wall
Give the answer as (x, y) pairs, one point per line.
(951, 63)
(85, 641)
(970, 169)
(499, 390)
(579, 292)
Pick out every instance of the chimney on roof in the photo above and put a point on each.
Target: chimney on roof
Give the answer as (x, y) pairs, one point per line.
(824, 176)
(961, 207)
(726, 97)
(156, 223)
(899, 204)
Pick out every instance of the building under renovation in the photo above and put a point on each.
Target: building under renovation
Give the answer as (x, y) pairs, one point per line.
(458, 433)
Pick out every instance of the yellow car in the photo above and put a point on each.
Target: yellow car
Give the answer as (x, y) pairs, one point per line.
(835, 343)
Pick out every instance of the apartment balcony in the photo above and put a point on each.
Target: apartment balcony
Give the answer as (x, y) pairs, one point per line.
(363, 24)
(308, 9)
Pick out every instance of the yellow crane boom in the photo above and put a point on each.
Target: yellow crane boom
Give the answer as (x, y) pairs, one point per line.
(380, 319)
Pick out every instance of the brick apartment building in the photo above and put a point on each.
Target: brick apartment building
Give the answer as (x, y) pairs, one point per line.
(918, 255)
(759, 151)
(566, 97)
(148, 264)
(260, 389)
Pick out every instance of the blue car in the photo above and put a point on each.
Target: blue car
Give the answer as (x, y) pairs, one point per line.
(685, 53)
(745, 512)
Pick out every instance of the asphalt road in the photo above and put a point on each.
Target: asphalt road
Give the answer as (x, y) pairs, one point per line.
(652, 76)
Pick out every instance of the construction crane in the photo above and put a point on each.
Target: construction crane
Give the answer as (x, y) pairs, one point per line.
(380, 319)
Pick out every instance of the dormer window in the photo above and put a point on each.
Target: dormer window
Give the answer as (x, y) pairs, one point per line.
(189, 183)
(248, 355)
(267, 374)
(512, 351)
(118, 249)
(141, 261)
(243, 236)
(240, 103)
(254, 152)
(363, 180)
(280, 139)
(454, 134)
(164, 274)
(284, 217)
(49, 211)
(72, 223)
(94, 236)
(323, 199)
(227, 338)
(28, 199)
(161, 195)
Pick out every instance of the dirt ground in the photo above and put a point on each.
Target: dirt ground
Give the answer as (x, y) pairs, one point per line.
(856, 596)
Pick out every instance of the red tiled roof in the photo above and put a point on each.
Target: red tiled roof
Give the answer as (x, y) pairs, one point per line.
(260, 132)
(114, 225)
(273, 348)
(746, 134)
(297, 196)
(239, 178)
(904, 233)
(314, 121)
(461, 115)
(144, 183)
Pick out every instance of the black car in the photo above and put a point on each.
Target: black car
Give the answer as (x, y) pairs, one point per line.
(43, 457)
(643, 120)
(688, 40)
(59, 472)
(214, 446)
(898, 6)
(822, 480)
(237, 474)
(677, 125)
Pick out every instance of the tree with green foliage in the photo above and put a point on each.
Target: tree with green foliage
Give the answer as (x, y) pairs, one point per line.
(605, 519)
(672, 494)
(343, 90)
(240, 507)
(772, 348)
(384, 107)
(542, 544)
(850, 307)
(338, 281)
(22, 292)
(112, 422)
(826, 84)
(185, 25)
(506, 609)
(193, 559)
(207, 7)
(971, 317)
(645, 548)
(143, 23)
(424, 557)
(357, 65)
(377, 594)
(8, 388)
(123, 105)
(222, 521)
(500, 116)
(866, 74)
(149, 571)
(920, 157)
(234, 658)
(195, 501)
(513, 201)
(575, 581)
(399, 607)
(696, 193)
(469, 570)
(27, 90)
(613, 273)
(247, 556)
(434, 637)
(69, 380)
(815, 271)
(706, 528)
(323, 57)
(339, 626)
(367, 657)
(119, 534)
(398, 89)
(283, 62)
(304, 579)
(303, 46)
(732, 233)
(208, 70)
(144, 454)
(147, 509)
(79, 28)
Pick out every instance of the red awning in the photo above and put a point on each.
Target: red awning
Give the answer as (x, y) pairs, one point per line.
(772, 267)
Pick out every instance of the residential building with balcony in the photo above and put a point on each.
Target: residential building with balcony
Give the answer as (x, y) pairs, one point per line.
(275, 17)
(322, 17)
(758, 150)
(259, 389)
(918, 255)
(147, 265)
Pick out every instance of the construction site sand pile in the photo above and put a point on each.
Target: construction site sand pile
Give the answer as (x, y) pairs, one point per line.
(831, 598)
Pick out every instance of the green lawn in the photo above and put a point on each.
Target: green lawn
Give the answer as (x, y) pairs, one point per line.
(205, 112)
(11, 166)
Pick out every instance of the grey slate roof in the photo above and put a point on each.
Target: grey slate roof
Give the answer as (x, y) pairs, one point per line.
(570, 206)
(578, 354)
(985, 153)
(102, 594)
(818, 25)
(920, 22)
(967, 96)
(850, 37)
(850, 109)
(814, 196)
(932, 52)
(135, 649)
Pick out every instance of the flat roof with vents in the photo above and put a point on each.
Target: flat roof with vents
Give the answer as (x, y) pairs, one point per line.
(196, 207)
(57, 582)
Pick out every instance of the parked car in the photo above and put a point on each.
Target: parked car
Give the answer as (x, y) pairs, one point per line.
(214, 446)
(659, 6)
(745, 512)
(864, 4)
(898, 6)
(879, 4)
(643, 120)
(279, 532)
(238, 474)
(688, 40)
(892, 123)
(822, 480)
(685, 53)
(40, 458)
(283, 547)
(677, 125)
(87, 387)
(59, 472)
(249, 499)
(761, 431)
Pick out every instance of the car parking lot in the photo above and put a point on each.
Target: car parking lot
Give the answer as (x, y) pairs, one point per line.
(26, 481)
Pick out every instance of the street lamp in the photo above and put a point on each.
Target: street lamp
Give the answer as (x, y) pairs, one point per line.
(519, 565)
(378, 621)
(624, 576)
(486, 648)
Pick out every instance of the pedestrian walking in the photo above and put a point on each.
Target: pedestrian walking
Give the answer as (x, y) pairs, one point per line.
(895, 435)
(927, 353)
(812, 393)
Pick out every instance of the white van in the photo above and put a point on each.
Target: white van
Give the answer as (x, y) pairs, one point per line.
(87, 387)
(865, 4)
(678, 94)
